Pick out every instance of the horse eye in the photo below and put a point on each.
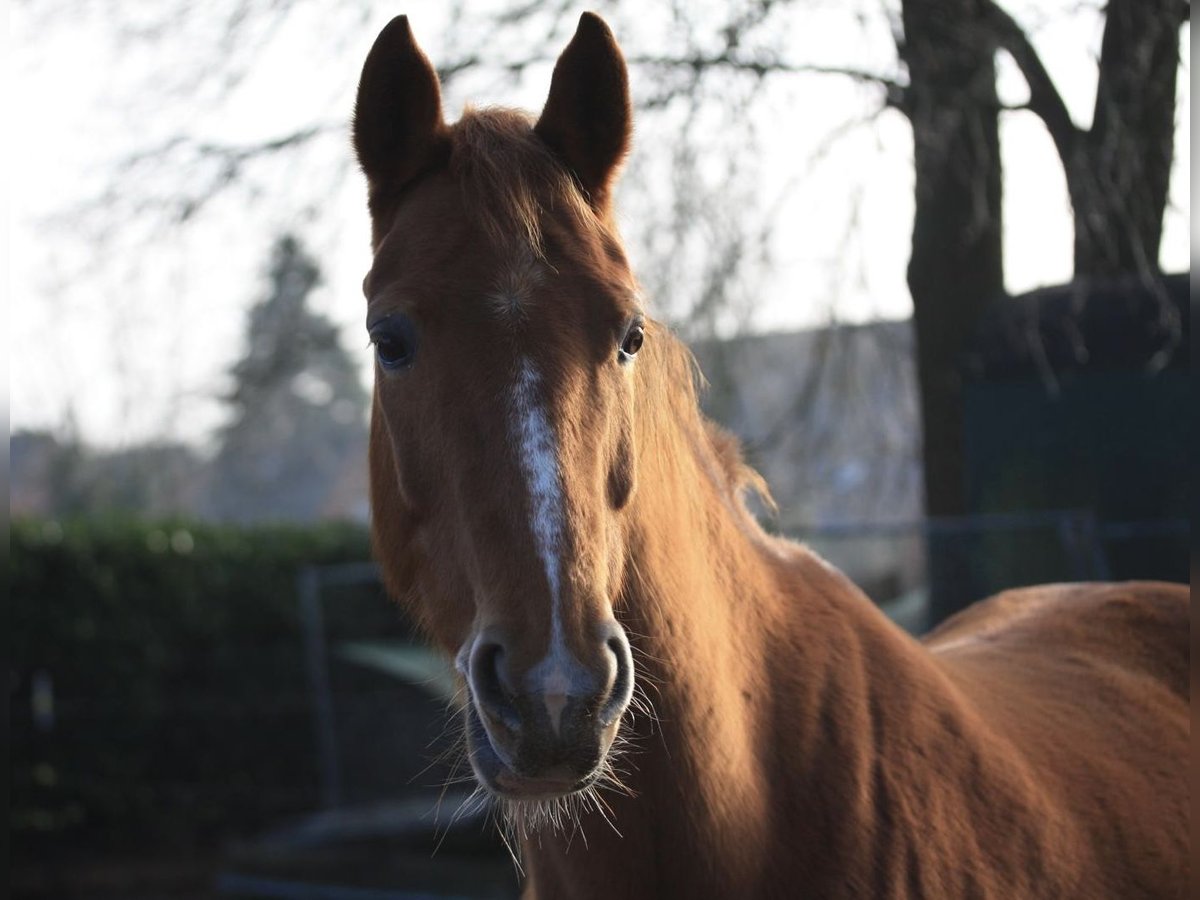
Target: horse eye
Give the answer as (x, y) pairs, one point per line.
(395, 340)
(632, 342)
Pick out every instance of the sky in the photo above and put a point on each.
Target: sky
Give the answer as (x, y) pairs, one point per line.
(122, 326)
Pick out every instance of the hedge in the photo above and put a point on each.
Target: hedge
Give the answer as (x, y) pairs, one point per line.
(173, 653)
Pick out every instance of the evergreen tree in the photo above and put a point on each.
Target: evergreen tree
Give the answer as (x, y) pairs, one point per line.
(297, 405)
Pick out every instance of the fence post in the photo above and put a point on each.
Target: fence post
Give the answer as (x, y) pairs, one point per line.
(1079, 537)
(317, 664)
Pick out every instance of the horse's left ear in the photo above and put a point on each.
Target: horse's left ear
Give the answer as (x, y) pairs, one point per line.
(588, 117)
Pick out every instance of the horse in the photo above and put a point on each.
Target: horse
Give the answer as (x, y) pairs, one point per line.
(663, 699)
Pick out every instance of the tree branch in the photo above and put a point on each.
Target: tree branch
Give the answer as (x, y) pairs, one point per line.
(232, 153)
(1044, 98)
(759, 68)
(240, 153)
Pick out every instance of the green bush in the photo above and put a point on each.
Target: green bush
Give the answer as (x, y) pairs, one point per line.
(181, 709)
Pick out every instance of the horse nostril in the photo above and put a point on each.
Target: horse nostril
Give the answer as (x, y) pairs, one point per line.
(490, 685)
(622, 683)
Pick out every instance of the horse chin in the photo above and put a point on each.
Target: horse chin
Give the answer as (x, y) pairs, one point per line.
(500, 778)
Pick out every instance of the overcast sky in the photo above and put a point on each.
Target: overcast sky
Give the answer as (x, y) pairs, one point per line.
(122, 328)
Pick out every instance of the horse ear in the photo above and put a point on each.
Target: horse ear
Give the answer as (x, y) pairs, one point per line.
(588, 117)
(398, 124)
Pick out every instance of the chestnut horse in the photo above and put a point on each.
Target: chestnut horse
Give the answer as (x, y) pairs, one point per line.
(554, 509)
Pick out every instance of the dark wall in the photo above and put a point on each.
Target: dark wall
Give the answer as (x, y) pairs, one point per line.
(1076, 399)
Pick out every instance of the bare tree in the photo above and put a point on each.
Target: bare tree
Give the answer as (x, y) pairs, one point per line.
(1117, 174)
(700, 218)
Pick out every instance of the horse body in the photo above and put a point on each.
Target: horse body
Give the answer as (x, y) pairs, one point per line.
(552, 506)
(805, 747)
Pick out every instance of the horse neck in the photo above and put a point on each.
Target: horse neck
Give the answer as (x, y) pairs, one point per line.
(721, 606)
(753, 653)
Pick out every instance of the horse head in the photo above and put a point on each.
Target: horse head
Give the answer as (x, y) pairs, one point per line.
(507, 326)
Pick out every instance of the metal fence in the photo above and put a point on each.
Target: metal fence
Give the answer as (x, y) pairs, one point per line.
(890, 560)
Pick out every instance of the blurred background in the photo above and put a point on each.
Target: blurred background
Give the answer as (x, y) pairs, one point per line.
(932, 255)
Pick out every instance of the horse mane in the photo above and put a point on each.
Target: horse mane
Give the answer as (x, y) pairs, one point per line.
(720, 452)
(510, 177)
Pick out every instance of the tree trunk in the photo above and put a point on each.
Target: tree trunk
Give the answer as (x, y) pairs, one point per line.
(956, 266)
(1119, 180)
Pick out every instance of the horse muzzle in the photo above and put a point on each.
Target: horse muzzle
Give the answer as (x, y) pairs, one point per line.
(546, 732)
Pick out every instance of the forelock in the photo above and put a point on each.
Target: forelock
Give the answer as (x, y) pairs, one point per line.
(510, 177)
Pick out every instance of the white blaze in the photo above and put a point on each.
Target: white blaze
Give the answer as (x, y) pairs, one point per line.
(538, 452)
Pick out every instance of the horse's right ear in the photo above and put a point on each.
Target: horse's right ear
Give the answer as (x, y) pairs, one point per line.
(398, 124)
